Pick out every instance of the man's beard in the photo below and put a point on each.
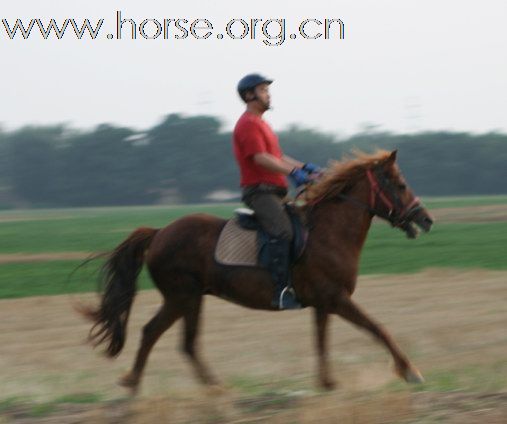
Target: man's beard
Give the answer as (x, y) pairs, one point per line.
(266, 105)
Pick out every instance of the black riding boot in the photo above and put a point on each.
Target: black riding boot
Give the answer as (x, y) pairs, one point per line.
(285, 296)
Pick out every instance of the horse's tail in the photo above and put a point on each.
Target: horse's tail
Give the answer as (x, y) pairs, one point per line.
(118, 278)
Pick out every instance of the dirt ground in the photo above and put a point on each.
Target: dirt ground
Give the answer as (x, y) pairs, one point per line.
(489, 213)
(12, 258)
(444, 320)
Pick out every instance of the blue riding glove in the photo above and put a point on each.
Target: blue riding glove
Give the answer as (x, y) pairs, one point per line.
(298, 177)
(311, 168)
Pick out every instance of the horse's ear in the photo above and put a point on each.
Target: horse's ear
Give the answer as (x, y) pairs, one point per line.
(392, 157)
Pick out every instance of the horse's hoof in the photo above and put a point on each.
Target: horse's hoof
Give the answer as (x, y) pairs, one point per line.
(413, 376)
(129, 383)
(327, 385)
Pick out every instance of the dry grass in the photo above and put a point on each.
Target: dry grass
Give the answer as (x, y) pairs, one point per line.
(447, 321)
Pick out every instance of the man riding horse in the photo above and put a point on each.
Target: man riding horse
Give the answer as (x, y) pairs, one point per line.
(264, 169)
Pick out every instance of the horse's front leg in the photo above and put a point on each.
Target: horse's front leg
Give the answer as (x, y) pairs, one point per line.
(321, 324)
(347, 309)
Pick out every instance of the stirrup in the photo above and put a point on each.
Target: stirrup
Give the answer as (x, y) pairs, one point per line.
(292, 302)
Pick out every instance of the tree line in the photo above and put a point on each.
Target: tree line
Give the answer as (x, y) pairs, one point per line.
(184, 159)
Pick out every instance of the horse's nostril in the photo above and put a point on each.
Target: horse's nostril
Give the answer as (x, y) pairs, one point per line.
(428, 220)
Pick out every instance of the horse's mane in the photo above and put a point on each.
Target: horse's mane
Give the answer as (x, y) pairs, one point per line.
(341, 174)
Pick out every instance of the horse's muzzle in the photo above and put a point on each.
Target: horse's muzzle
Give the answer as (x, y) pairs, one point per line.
(420, 219)
(424, 221)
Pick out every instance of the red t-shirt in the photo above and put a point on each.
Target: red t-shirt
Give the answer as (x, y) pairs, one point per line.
(253, 135)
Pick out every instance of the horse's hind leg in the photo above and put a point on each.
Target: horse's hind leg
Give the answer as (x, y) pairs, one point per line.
(351, 312)
(163, 319)
(190, 332)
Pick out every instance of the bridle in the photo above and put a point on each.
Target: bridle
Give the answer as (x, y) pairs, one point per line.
(382, 192)
(382, 188)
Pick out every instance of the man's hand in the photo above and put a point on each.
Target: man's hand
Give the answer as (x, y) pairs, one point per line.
(298, 177)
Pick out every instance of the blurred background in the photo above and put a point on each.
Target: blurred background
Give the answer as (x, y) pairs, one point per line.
(99, 137)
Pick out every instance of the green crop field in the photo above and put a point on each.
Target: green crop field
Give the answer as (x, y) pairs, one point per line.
(60, 231)
(85, 230)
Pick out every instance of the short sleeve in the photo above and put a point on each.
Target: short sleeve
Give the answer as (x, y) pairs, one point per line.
(251, 140)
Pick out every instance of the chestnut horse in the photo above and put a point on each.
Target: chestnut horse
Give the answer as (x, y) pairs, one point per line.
(338, 210)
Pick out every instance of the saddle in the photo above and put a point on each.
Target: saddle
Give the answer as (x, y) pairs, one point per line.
(242, 241)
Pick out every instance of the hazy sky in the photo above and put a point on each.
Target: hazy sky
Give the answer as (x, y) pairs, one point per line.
(405, 65)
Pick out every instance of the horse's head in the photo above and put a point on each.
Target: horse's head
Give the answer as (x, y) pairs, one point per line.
(392, 199)
(372, 182)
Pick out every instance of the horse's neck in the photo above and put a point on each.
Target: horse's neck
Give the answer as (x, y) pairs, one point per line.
(343, 222)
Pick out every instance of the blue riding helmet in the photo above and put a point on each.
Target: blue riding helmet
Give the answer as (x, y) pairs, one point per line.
(249, 82)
